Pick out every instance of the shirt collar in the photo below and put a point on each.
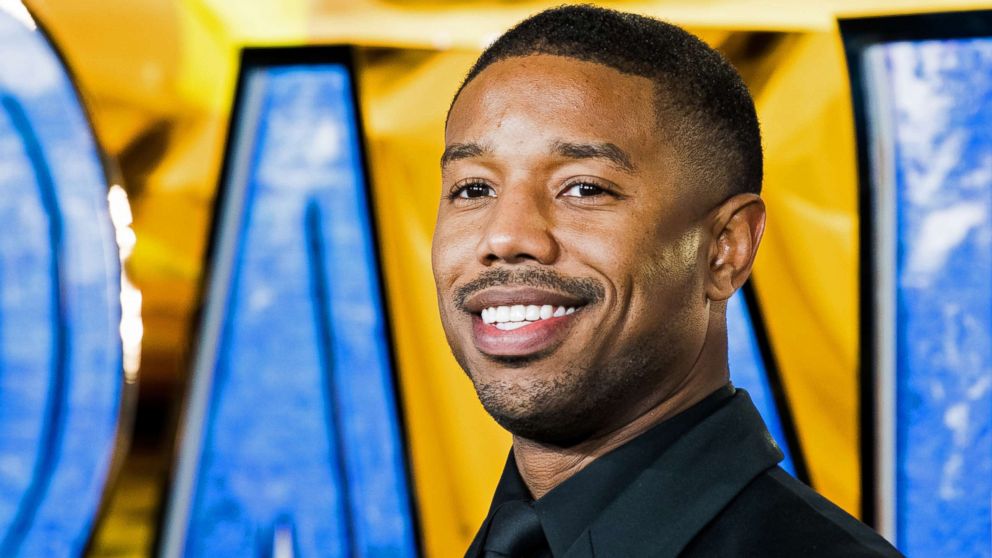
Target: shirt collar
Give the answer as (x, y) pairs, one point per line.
(572, 506)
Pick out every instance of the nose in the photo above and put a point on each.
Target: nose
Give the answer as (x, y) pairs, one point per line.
(517, 230)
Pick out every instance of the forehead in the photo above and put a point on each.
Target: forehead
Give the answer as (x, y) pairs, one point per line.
(538, 96)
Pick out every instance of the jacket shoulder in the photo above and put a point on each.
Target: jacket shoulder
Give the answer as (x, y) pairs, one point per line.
(776, 515)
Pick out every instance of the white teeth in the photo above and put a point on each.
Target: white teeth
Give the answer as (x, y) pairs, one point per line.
(503, 314)
(507, 326)
(533, 313)
(518, 315)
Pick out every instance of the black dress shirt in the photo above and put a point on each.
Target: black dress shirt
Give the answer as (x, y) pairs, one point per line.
(702, 483)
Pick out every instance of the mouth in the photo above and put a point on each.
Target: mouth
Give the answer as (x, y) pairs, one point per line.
(509, 318)
(521, 322)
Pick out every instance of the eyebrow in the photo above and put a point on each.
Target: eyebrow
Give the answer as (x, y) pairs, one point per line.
(608, 151)
(571, 150)
(459, 151)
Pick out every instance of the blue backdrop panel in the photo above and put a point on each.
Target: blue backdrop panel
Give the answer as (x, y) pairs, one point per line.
(749, 371)
(939, 102)
(301, 441)
(60, 350)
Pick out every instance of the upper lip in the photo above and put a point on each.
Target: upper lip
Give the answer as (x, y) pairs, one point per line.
(510, 296)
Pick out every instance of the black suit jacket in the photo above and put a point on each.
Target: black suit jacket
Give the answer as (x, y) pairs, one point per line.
(718, 491)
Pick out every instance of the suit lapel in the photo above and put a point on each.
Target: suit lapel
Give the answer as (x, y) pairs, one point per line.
(510, 487)
(670, 502)
(475, 549)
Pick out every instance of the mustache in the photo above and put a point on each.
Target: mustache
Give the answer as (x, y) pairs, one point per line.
(584, 288)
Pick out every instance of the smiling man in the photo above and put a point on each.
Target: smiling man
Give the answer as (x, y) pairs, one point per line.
(600, 204)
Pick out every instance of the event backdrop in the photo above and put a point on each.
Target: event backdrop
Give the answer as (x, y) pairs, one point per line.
(284, 197)
(61, 375)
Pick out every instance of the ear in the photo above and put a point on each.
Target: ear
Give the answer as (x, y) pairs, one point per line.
(736, 227)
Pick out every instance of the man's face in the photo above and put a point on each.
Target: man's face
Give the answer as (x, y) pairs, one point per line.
(568, 257)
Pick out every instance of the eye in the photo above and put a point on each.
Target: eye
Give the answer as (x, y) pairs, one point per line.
(590, 190)
(583, 190)
(588, 187)
(473, 190)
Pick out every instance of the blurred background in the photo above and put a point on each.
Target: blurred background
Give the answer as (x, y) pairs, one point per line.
(218, 328)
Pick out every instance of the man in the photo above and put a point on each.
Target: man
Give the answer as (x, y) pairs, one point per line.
(600, 205)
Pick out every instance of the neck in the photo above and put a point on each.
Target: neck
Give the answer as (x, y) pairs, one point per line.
(545, 466)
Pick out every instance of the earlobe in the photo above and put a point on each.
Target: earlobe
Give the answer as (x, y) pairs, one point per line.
(737, 227)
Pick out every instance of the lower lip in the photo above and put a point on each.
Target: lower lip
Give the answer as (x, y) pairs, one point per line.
(523, 341)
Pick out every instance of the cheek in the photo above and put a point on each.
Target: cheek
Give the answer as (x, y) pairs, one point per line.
(666, 285)
(448, 263)
(641, 257)
(676, 262)
(451, 250)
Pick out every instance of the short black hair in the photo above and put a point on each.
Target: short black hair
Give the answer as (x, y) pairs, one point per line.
(707, 111)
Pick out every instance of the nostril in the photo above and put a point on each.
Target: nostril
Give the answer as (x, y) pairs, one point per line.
(517, 237)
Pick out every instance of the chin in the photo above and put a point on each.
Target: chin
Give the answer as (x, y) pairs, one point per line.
(544, 426)
(562, 410)
(555, 400)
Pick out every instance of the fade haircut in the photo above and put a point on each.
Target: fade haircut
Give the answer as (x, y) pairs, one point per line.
(704, 108)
